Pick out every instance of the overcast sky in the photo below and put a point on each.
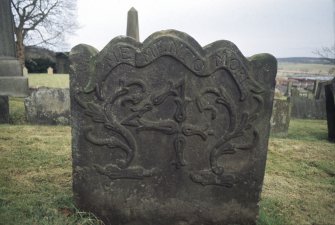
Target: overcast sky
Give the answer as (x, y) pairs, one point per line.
(284, 28)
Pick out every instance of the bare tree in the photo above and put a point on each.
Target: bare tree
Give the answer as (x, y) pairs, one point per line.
(42, 22)
(327, 53)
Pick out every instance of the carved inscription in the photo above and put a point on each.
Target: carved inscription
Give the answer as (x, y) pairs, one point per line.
(175, 127)
(135, 93)
(125, 141)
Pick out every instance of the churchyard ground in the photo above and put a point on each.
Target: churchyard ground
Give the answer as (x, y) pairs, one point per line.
(35, 173)
(35, 177)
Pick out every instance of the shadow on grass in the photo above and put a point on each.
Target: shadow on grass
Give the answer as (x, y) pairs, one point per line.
(269, 213)
(309, 130)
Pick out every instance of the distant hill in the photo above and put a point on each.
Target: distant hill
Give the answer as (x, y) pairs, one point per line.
(310, 60)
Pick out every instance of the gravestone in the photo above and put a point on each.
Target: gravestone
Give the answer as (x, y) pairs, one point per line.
(49, 106)
(306, 108)
(167, 132)
(12, 83)
(281, 116)
(330, 108)
(62, 62)
(50, 71)
(25, 71)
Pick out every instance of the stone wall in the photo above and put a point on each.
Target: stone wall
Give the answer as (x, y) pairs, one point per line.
(48, 106)
(305, 108)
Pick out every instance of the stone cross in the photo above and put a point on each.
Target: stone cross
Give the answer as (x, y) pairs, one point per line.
(12, 83)
(132, 24)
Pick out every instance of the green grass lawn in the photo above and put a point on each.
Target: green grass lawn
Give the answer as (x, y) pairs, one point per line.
(35, 172)
(45, 80)
(299, 186)
(35, 177)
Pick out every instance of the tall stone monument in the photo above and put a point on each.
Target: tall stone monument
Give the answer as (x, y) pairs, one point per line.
(12, 82)
(167, 132)
(132, 24)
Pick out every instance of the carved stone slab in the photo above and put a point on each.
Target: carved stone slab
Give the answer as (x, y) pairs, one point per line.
(166, 132)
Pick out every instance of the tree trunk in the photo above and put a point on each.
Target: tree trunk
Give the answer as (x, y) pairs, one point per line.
(20, 47)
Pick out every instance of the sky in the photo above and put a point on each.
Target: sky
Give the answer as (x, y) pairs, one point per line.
(284, 28)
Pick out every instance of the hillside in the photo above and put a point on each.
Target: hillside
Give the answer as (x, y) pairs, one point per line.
(307, 60)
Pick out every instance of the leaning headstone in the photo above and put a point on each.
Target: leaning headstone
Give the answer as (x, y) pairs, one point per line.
(168, 132)
(12, 83)
(50, 71)
(281, 116)
(330, 108)
(49, 106)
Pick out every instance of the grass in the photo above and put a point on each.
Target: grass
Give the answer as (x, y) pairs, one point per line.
(35, 177)
(299, 186)
(16, 111)
(35, 171)
(45, 80)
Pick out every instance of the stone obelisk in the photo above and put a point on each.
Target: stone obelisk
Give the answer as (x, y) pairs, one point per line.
(12, 82)
(132, 24)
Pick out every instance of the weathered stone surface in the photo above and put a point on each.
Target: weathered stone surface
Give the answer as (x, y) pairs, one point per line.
(10, 69)
(7, 44)
(48, 106)
(330, 107)
(14, 86)
(132, 24)
(306, 108)
(169, 133)
(4, 109)
(281, 116)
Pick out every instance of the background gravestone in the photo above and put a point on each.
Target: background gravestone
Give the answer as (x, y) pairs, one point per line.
(330, 108)
(167, 132)
(281, 116)
(306, 108)
(50, 71)
(48, 106)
